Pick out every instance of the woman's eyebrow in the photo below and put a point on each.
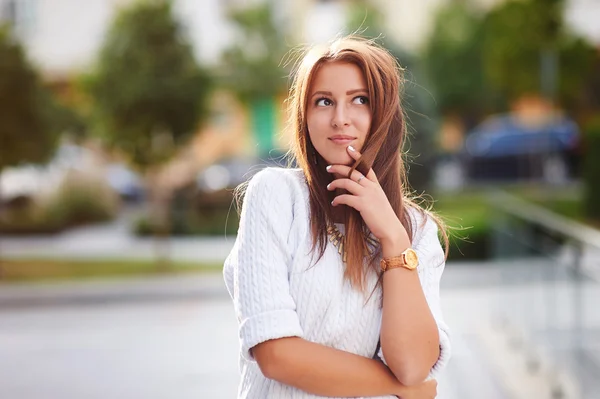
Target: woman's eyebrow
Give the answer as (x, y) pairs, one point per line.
(349, 92)
(323, 93)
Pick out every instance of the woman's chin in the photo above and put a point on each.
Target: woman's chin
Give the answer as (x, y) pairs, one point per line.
(339, 160)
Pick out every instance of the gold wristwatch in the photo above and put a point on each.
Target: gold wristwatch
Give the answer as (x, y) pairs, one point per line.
(408, 259)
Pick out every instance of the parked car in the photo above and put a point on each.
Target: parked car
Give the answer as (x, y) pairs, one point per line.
(503, 148)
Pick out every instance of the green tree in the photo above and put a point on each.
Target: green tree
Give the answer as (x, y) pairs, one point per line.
(26, 129)
(452, 61)
(516, 33)
(579, 63)
(148, 92)
(527, 49)
(253, 68)
(28, 112)
(31, 117)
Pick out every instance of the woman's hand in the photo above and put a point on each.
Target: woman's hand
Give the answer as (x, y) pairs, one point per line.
(425, 390)
(368, 198)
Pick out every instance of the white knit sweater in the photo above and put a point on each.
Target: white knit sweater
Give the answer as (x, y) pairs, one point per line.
(276, 294)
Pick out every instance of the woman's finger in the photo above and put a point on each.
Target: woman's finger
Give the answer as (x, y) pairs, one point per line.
(347, 184)
(353, 153)
(356, 156)
(347, 199)
(344, 170)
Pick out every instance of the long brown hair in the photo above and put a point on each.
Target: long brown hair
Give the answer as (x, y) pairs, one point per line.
(381, 151)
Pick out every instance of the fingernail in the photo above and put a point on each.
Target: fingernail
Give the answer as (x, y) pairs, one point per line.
(351, 148)
(329, 167)
(332, 203)
(328, 186)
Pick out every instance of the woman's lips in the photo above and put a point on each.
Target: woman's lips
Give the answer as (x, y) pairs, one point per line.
(342, 141)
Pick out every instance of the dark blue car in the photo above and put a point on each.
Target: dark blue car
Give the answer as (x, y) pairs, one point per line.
(503, 148)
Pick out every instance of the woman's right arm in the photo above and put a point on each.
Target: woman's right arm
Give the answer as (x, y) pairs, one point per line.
(324, 371)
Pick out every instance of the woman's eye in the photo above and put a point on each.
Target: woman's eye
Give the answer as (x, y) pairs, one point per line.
(361, 100)
(323, 102)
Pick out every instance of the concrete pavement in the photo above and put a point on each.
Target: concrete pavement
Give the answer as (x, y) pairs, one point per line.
(197, 286)
(136, 346)
(158, 337)
(148, 350)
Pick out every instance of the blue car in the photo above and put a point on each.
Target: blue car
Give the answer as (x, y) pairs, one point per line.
(503, 148)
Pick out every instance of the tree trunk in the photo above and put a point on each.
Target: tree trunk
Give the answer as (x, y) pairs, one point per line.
(160, 222)
(162, 234)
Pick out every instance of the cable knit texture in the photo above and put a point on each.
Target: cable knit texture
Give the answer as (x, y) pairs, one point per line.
(276, 293)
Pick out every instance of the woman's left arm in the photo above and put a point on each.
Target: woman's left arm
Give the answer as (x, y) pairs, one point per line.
(414, 337)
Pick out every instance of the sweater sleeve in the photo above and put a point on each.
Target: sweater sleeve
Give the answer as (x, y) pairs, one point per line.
(431, 268)
(256, 270)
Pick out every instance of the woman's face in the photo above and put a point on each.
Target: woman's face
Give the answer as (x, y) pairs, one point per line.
(338, 112)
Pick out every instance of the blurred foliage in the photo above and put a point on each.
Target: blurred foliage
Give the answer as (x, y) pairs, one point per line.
(591, 170)
(467, 216)
(419, 106)
(78, 200)
(189, 223)
(27, 218)
(64, 119)
(364, 19)
(478, 63)
(30, 117)
(516, 35)
(81, 199)
(578, 70)
(149, 95)
(197, 213)
(252, 67)
(422, 120)
(452, 60)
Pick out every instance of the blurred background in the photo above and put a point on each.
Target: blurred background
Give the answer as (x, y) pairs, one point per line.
(125, 126)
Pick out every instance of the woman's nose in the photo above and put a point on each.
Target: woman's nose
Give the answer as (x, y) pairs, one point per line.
(341, 116)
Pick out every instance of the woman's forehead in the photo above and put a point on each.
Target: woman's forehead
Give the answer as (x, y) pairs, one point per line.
(333, 76)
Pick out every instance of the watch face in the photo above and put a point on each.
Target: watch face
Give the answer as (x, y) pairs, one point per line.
(411, 258)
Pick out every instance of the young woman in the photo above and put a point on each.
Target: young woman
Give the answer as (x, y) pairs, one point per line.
(335, 271)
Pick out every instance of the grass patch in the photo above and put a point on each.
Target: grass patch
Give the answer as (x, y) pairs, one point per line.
(466, 210)
(467, 215)
(28, 270)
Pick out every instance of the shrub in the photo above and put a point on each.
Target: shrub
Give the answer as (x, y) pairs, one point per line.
(78, 200)
(214, 222)
(27, 220)
(591, 170)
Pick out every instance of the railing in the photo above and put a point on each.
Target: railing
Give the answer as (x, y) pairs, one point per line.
(548, 313)
(567, 232)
